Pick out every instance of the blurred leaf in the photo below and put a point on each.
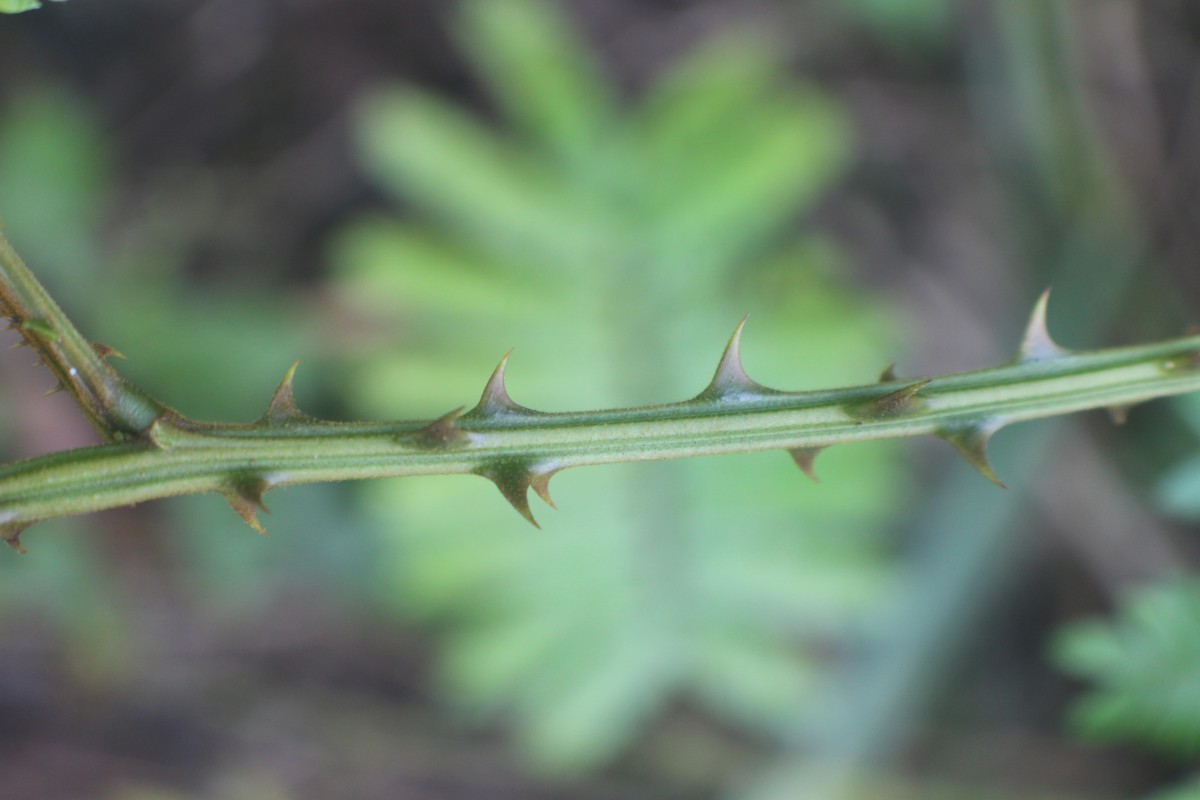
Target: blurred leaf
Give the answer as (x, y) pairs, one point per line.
(617, 276)
(55, 171)
(910, 24)
(1144, 667)
(1186, 791)
(1178, 491)
(17, 6)
(538, 69)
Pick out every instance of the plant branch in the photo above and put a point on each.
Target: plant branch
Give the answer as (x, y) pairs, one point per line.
(156, 452)
(116, 408)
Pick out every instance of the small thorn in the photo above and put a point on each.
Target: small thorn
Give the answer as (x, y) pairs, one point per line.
(540, 481)
(443, 431)
(283, 409)
(889, 374)
(245, 496)
(730, 379)
(104, 351)
(11, 533)
(495, 401)
(513, 482)
(889, 405)
(1192, 330)
(804, 458)
(55, 389)
(1036, 344)
(1118, 414)
(971, 442)
(15, 345)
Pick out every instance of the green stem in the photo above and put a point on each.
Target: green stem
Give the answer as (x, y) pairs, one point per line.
(116, 408)
(519, 448)
(155, 452)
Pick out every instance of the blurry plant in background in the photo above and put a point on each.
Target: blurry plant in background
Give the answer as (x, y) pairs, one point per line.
(614, 244)
(614, 248)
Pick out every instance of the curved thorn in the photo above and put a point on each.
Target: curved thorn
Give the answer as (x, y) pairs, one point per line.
(495, 400)
(11, 533)
(889, 374)
(443, 431)
(283, 408)
(245, 496)
(889, 405)
(1036, 344)
(514, 485)
(971, 443)
(731, 379)
(540, 481)
(804, 458)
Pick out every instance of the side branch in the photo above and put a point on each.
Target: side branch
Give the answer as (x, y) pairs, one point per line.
(116, 408)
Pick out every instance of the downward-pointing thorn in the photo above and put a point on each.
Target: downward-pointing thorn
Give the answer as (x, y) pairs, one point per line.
(540, 481)
(804, 458)
(1118, 414)
(971, 442)
(11, 533)
(513, 481)
(1036, 344)
(245, 496)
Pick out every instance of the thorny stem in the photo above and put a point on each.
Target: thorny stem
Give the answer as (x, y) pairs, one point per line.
(156, 452)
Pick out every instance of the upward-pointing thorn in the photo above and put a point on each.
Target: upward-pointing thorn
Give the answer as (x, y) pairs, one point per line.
(1036, 344)
(495, 401)
(283, 408)
(731, 379)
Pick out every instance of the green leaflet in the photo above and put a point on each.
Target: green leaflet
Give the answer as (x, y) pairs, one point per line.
(1143, 667)
(632, 235)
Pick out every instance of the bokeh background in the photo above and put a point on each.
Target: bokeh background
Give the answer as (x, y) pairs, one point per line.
(398, 191)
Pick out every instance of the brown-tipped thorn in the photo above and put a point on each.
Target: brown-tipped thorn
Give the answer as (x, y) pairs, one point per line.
(495, 401)
(971, 442)
(443, 431)
(245, 496)
(889, 374)
(730, 379)
(11, 533)
(104, 351)
(804, 458)
(540, 481)
(283, 409)
(890, 404)
(1036, 344)
(55, 389)
(513, 483)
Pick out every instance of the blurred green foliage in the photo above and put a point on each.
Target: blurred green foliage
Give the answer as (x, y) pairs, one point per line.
(616, 248)
(17, 6)
(1147, 685)
(1178, 491)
